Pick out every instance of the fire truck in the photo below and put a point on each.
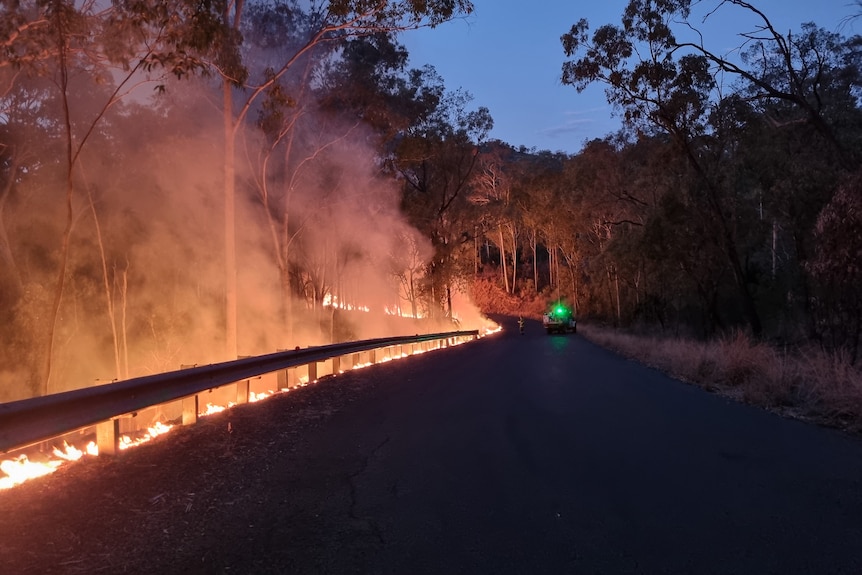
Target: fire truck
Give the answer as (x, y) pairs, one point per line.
(559, 319)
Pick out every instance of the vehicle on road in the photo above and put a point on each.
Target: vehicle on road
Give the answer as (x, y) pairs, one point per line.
(559, 319)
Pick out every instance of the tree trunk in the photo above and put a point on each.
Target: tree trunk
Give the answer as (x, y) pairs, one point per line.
(7, 259)
(476, 253)
(107, 284)
(576, 303)
(67, 232)
(610, 291)
(503, 259)
(124, 342)
(749, 308)
(230, 270)
(514, 259)
(449, 300)
(412, 288)
(533, 245)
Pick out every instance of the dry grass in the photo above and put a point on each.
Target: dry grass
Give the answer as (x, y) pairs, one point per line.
(809, 384)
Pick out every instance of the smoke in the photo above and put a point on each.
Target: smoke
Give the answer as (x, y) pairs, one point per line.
(324, 252)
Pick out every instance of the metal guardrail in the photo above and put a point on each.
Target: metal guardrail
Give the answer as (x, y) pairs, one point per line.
(29, 421)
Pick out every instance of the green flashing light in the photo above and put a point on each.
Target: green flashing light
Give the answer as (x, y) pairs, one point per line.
(560, 309)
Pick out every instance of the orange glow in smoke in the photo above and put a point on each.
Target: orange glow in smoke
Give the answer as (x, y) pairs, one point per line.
(330, 300)
(397, 311)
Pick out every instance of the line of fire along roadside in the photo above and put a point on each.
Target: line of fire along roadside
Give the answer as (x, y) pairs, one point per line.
(46, 457)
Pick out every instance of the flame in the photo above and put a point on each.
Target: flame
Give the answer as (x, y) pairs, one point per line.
(330, 300)
(254, 397)
(211, 408)
(21, 469)
(72, 453)
(155, 430)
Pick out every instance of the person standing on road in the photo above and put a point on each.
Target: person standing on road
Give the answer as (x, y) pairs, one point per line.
(521, 324)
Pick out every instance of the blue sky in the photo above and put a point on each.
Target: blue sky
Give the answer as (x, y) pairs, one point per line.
(509, 57)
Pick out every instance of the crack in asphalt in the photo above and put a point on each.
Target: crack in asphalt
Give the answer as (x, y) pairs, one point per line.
(372, 525)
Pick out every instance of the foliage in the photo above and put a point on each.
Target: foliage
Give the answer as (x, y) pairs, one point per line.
(487, 293)
(837, 267)
(805, 383)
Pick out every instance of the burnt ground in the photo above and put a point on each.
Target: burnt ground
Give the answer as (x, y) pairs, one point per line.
(514, 454)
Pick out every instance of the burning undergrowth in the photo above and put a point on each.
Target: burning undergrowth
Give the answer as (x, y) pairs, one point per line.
(44, 458)
(323, 251)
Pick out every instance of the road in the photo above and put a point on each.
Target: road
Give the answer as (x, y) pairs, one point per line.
(514, 454)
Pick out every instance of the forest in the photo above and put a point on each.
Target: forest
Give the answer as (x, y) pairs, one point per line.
(185, 182)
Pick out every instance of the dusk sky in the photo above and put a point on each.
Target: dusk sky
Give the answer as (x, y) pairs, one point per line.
(509, 58)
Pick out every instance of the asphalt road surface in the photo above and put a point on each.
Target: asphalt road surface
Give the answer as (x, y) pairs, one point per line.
(515, 454)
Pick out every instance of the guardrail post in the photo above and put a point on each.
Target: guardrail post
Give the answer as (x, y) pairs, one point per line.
(190, 410)
(312, 371)
(108, 437)
(336, 365)
(281, 376)
(242, 389)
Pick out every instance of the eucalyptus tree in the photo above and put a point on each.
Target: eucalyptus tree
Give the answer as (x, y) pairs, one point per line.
(437, 160)
(537, 181)
(838, 302)
(493, 192)
(315, 25)
(636, 61)
(811, 76)
(353, 98)
(118, 47)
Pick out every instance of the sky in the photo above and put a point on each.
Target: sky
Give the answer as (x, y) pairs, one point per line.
(509, 57)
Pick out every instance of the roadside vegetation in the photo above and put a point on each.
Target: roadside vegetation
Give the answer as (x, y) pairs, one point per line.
(807, 383)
